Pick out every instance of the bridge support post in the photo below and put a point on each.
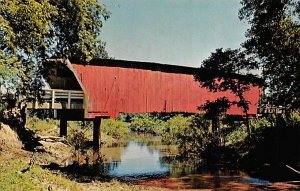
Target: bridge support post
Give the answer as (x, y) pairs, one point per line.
(96, 137)
(63, 127)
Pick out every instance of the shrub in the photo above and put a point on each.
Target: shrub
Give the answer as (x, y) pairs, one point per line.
(79, 143)
(146, 123)
(274, 140)
(195, 139)
(174, 128)
(293, 119)
(116, 129)
(261, 122)
(236, 135)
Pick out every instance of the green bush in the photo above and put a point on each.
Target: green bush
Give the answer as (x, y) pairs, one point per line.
(78, 141)
(293, 119)
(195, 140)
(236, 135)
(146, 123)
(116, 129)
(275, 139)
(261, 123)
(174, 128)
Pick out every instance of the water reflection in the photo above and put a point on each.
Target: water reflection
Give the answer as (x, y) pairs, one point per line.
(153, 164)
(135, 160)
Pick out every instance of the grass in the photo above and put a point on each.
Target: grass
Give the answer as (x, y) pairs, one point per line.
(47, 127)
(45, 178)
(36, 178)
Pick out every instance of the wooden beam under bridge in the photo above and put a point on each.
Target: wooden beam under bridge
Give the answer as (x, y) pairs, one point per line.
(96, 139)
(96, 131)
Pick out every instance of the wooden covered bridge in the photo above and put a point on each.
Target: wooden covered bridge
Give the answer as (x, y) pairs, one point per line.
(105, 87)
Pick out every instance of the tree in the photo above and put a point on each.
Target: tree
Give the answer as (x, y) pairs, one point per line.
(77, 27)
(24, 27)
(32, 31)
(274, 39)
(229, 70)
(213, 110)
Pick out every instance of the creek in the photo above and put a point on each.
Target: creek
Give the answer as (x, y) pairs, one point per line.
(149, 162)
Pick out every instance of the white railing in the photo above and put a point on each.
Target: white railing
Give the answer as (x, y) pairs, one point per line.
(60, 99)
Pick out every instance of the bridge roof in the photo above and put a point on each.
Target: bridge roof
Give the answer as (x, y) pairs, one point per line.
(168, 68)
(153, 66)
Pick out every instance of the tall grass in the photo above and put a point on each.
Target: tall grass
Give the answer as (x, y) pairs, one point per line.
(43, 126)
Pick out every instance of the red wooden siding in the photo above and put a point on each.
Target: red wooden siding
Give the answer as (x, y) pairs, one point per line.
(115, 89)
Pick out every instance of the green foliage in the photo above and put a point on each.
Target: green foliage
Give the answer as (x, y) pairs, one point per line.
(228, 70)
(123, 117)
(195, 140)
(197, 144)
(77, 28)
(215, 108)
(273, 40)
(43, 126)
(294, 119)
(77, 140)
(262, 122)
(174, 128)
(79, 143)
(236, 136)
(24, 30)
(116, 129)
(38, 178)
(146, 123)
(226, 64)
(273, 143)
(32, 31)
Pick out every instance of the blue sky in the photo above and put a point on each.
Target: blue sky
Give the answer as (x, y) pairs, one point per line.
(179, 32)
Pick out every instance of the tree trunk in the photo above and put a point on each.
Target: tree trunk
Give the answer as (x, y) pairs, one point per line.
(215, 124)
(215, 128)
(247, 123)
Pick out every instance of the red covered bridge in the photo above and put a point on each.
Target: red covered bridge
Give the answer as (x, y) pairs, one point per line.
(115, 86)
(105, 88)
